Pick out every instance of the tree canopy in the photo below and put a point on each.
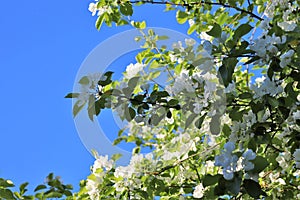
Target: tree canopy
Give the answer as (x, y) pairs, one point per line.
(226, 125)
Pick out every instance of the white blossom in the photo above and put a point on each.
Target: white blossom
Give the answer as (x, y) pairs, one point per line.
(230, 88)
(227, 160)
(204, 36)
(103, 162)
(197, 107)
(92, 189)
(265, 24)
(229, 147)
(178, 46)
(266, 44)
(287, 25)
(252, 175)
(191, 22)
(286, 58)
(283, 160)
(247, 157)
(190, 42)
(208, 63)
(124, 171)
(182, 83)
(199, 191)
(297, 155)
(133, 69)
(93, 8)
(296, 115)
(264, 86)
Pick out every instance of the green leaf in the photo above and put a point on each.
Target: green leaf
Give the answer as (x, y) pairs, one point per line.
(23, 187)
(256, 107)
(109, 190)
(234, 186)
(100, 21)
(154, 65)
(245, 95)
(236, 114)
(163, 37)
(50, 177)
(192, 29)
(232, 2)
(129, 113)
(198, 122)
(216, 31)
(230, 64)
(91, 107)
(68, 193)
(72, 95)
(226, 130)
(253, 188)
(290, 90)
(69, 187)
(54, 195)
(210, 179)
(100, 104)
(215, 125)
(162, 94)
(181, 16)
(40, 187)
(273, 101)
(19, 196)
(122, 22)
(133, 82)
(116, 156)
(139, 25)
(173, 102)
(84, 80)
(222, 18)
(252, 144)
(137, 100)
(142, 25)
(260, 163)
(154, 75)
(118, 140)
(78, 107)
(155, 119)
(106, 78)
(190, 120)
(126, 9)
(241, 31)
(169, 114)
(6, 194)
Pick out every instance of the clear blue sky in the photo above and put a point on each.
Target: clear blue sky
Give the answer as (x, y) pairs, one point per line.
(42, 45)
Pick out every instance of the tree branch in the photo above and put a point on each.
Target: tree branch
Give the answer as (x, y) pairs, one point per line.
(199, 3)
(202, 154)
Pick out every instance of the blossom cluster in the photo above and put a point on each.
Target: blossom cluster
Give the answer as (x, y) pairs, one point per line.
(205, 145)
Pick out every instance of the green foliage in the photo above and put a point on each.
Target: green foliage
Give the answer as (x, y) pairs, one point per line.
(53, 188)
(215, 31)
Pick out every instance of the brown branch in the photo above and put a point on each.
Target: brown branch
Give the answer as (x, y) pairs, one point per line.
(199, 3)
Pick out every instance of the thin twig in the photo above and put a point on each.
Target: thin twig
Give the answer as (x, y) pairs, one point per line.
(199, 3)
(207, 152)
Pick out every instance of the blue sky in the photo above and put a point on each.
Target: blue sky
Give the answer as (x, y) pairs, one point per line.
(42, 45)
